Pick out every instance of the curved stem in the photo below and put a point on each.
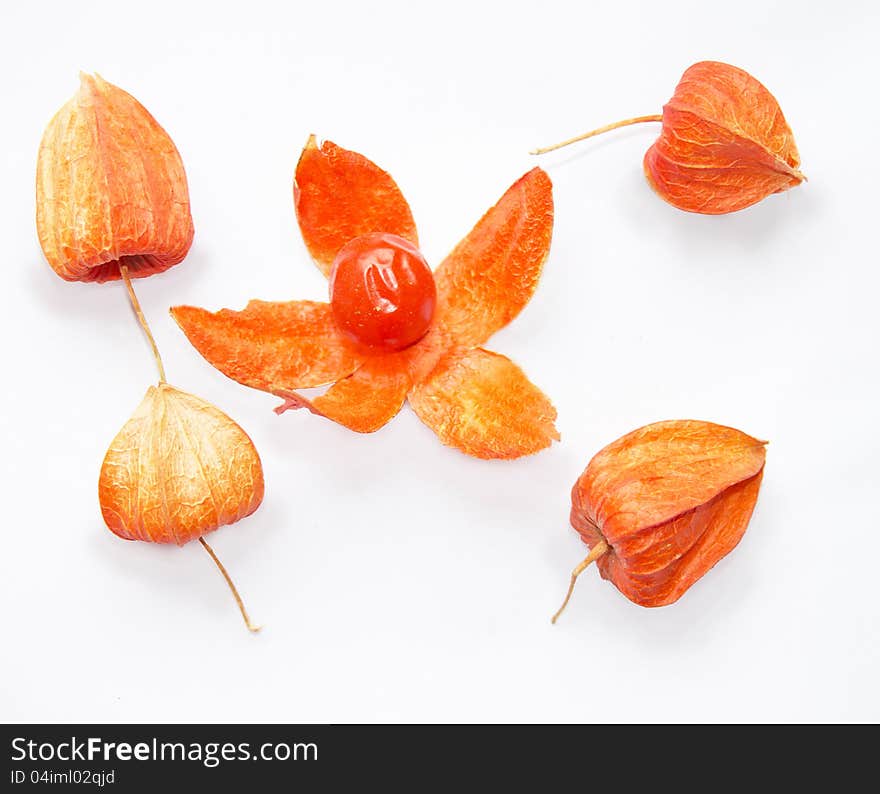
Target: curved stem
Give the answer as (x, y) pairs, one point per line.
(135, 304)
(228, 578)
(597, 551)
(599, 131)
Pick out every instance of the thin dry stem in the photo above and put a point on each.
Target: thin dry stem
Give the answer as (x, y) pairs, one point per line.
(599, 131)
(228, 578)
(597, 551)
(135, 304)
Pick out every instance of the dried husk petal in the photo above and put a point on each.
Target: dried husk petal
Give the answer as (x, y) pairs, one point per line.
(373, 395)
(483, 404)
(669, 500)
(271, 345)
(493, 272)
(365, 401)
(111, 188)
(178, 469)
(339, 195)
(724, 144)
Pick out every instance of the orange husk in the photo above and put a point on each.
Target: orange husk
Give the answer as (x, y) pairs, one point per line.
(340, 195)
(724, 144)
(482, 404)
(111, 188)
(665, 503)
(178, 469)
(493, 272)
(272, 346)
(364, 401)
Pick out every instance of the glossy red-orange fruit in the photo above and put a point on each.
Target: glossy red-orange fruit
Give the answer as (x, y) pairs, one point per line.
(382, 292)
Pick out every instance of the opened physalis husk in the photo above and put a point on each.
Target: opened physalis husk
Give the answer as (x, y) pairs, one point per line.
(395, 331)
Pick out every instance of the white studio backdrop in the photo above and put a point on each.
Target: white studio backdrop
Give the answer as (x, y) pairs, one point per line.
(397, 579)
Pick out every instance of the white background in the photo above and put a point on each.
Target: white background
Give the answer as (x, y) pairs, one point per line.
(398, 579)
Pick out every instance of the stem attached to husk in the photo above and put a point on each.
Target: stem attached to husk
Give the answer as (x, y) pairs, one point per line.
(135, 304)
(599, 131)
(597, 551)
(228, 578)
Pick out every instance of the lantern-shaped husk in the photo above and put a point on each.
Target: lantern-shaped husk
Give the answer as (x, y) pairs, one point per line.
(111, 188)
(662, 505)
(179, 468)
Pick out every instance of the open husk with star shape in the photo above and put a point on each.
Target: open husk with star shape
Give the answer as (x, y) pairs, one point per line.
(360, 231)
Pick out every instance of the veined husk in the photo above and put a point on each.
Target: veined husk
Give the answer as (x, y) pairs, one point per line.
(669, 500)
(111, 188)
(178, 469)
